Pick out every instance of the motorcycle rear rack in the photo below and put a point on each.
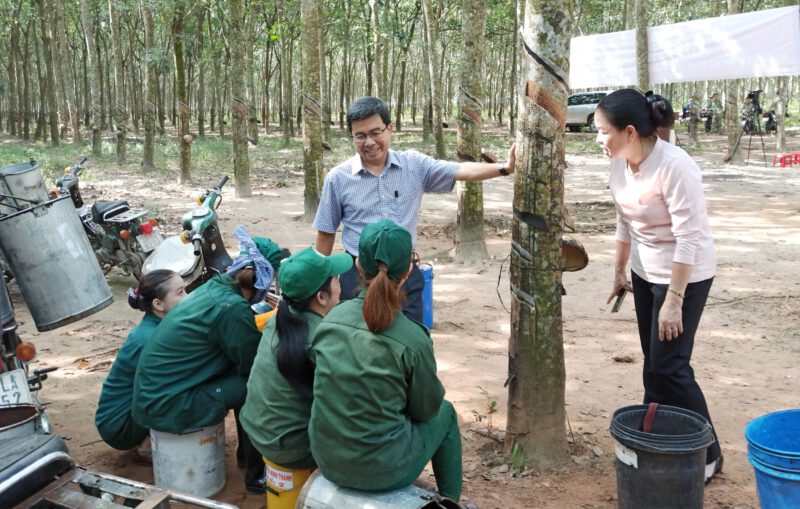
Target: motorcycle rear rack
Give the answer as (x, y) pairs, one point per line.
(79, 488)
(127, 216)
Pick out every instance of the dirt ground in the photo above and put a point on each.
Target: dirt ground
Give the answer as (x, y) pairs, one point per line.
(747, 354)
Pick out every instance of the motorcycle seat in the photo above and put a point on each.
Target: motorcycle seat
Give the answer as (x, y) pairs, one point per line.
(103, 210)
(18, 453)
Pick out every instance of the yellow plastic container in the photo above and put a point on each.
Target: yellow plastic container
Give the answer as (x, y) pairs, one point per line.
(287, 482)
(263, 318)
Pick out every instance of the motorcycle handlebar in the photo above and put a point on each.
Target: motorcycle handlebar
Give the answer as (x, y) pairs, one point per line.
(222, 182)
(198, 246)
(43, 371)
(82, 160)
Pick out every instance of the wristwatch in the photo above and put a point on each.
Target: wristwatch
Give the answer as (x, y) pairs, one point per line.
(503, 168)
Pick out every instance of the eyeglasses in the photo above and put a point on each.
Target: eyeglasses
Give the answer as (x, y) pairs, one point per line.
(374, 134)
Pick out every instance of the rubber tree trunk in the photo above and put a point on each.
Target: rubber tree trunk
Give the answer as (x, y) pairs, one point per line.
(432, 45)
(780, 114)
(325, 89)
(286, 88)
(239, 110)
(642, 55)
(95, 88)
(732, 126)
(312, 107)
(470, 242)
(47, 48)
(120, 107)
(536, 432)
(377, 50)
(201, 75)
(151, 88)
(182, 96)
(65, 72)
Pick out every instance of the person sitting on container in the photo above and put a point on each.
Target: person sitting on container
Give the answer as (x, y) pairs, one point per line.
(196, 365)
(279, 392)
(379, 413)
(158, 292)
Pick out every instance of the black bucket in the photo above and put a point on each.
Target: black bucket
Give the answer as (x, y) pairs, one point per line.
(663, 468)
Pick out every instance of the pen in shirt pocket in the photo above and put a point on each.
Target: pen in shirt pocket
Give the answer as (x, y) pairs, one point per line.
(397, 194)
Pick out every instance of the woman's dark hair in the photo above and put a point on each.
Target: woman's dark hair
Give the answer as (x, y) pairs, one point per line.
(629, 107)
(661, 109)
(292, 349)
(152, 286)
(384, 298)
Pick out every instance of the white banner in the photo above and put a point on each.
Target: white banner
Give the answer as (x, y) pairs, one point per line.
(754, 44)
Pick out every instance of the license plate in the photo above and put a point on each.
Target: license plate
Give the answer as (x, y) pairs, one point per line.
(14, 388)
(149, 242)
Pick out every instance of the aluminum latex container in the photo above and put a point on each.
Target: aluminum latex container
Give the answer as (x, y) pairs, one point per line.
(23, 181)
(193, 463)
(53, 263)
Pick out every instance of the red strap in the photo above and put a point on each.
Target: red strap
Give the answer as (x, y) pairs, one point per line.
(647, 424)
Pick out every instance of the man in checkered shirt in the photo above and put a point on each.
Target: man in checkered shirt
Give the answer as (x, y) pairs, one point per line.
(378, 183)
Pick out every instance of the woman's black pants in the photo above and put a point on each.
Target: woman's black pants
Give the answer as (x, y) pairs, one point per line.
(667, 374)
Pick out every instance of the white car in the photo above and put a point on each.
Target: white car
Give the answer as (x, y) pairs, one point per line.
(580, 110)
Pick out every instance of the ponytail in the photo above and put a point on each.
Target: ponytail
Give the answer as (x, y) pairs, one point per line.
(292, 348)
(152, 286)
(382, 301)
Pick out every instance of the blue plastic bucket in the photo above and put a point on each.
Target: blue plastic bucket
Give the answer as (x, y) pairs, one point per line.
(427, 294)
(773, 446)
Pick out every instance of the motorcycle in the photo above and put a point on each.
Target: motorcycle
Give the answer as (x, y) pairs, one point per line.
(770, 122)
(117, 233)
(21, 412)
(198, 252)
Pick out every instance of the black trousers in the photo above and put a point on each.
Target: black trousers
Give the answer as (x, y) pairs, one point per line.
(351, 284)
(667, 374)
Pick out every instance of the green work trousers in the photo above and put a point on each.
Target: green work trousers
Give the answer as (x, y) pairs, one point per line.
(441, 444)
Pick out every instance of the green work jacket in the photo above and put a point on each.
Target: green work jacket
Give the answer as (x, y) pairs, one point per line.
(369, 390)
(208, 335)
(116, 398)
(274, 415)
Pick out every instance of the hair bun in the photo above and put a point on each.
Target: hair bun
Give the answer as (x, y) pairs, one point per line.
(133, 298)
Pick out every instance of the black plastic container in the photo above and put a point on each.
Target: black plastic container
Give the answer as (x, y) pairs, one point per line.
(665, 468)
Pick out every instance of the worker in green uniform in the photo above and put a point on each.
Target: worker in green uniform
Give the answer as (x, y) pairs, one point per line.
(195, 367)
(379, 413)
(158, 292)
(279, 392)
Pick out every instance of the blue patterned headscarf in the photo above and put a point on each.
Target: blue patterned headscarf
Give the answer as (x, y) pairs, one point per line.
(250, 256)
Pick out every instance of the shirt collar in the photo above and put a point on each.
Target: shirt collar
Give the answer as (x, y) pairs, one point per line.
(356, 166)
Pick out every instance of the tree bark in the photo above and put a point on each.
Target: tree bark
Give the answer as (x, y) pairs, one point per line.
(780, 114)
(47, 48)
(94, 89)
(151, 88)
(432, 40)
(325, 91)
(732, 126)
(536, 432)
(239, 110)
(642, 55)
(201, 78)
(120, 107)
(312, 107)
(185, 139)
(377, 49)
(286, 87)
(470, 242)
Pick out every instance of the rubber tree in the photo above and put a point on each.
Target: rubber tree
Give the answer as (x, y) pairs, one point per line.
(642, 55)
(65, 71)
(432, 45)
(312, 106)
(184, 138)
(732, 126)
(470, 242)
(151, 86)
(94, 80)
(239, 110)
(47, 49)
(536, 431)
(120, 108)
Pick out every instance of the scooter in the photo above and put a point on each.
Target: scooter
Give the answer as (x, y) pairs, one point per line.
(198, 252)
(21, 412)
(118, 235)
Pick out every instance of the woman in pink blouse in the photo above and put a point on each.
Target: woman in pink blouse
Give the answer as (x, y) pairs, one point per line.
(663, 230)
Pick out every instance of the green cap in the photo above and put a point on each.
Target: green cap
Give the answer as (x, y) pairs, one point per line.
(387, 242)
(304, 272)
(269, 250)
